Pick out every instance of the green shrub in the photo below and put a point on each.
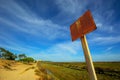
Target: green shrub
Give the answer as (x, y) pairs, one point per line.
(27, 59)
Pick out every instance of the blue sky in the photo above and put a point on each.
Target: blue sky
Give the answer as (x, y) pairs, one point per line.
(40, 29)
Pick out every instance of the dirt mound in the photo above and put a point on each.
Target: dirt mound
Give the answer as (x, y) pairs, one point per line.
(20, 71)
(6, 64)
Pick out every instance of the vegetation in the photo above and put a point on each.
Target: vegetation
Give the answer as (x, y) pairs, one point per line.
(21, 56)
(65, 70)
(78, 71)
(27, 59)
(5, 54)
(24, 58)
(43, 73)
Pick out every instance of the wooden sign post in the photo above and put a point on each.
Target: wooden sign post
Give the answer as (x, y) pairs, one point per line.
(79, 28)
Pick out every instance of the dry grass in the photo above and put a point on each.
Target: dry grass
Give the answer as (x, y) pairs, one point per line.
(78, 71)
(6, 64)
(27, 69)
(43, 73)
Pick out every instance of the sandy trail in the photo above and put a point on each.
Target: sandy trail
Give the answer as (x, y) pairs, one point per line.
(19, 72)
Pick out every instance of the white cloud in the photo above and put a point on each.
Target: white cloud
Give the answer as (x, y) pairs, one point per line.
(105, 28)
(71, 6)
(15, 9)
(67, 51)
(43, 28)
(31, 24)
(109, 49)
(104, 23)
(13, 25)
(65, 48)
(105, 40)
(99, 25)
(11, 43)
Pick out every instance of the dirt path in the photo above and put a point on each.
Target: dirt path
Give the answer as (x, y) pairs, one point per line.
(19, 72)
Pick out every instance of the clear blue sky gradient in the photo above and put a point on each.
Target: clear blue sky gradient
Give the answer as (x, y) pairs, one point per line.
(40, 29)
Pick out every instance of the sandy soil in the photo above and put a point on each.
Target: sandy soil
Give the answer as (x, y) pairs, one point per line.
(18, 72)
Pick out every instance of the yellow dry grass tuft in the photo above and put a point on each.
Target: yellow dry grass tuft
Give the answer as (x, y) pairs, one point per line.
(6, 64)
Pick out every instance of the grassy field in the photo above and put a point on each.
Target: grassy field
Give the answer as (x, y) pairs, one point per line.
(78, 70)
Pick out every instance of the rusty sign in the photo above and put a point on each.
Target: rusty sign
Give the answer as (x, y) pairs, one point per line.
(82, 26)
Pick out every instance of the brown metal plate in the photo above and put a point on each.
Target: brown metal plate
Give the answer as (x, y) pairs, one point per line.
(82, 26)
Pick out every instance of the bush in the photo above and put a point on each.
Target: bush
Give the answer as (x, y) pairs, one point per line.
(27, 59)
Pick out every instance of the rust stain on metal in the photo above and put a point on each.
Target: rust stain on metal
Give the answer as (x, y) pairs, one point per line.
(87, 23)
(74, 32)
(82, 26)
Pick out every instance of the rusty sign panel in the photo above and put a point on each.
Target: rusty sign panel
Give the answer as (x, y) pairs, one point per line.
(82, 26)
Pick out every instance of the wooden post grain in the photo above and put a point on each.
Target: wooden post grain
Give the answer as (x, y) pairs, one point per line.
(88, 59)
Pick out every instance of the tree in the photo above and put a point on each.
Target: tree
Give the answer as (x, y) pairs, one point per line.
(2, 51)
(22, 56)
(5, 54)
(28, 59)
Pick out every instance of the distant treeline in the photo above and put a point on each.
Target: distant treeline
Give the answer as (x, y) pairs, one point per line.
(5, 54)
